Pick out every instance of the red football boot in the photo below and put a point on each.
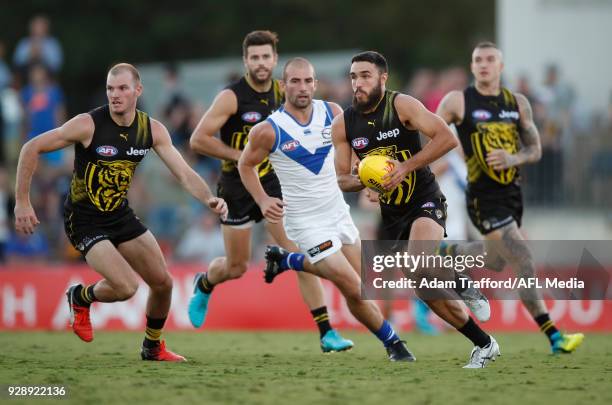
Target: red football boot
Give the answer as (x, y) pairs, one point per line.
(79, 318)
(159, 353)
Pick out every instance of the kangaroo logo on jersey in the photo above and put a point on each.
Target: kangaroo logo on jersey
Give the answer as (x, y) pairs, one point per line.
(388, 134)
(360, 143)
(481, 115)
(326, 136)
(290, 145)
(326, 133)
(251, 116)
(106, 150)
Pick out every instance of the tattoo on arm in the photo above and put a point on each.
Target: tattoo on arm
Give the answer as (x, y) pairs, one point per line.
(531, 150)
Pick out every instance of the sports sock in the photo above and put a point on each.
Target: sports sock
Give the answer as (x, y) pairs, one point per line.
(84, 296)
(386, 334)
(321, 318)
(473, 332)
(153, 331)
(293, 261)
(546, 325)
(204, 285)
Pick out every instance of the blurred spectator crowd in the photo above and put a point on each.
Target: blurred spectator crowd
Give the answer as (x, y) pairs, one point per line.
(576, 166)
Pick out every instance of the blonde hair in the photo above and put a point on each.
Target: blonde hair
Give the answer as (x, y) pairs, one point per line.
(123, 67)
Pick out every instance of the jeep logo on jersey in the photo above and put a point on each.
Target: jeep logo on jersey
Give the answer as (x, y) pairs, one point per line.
(360, 143)
(136, 152)
(251, 116)
(106, 150)
(481, 115)
(509, 114)
(290, 145)
(389, 134)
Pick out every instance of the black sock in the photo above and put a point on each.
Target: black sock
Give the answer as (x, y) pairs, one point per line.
(153, 331)
(204, 285)
(473, 332)
(546, 325)
(84, 296)
(459, 287)
(321, 317)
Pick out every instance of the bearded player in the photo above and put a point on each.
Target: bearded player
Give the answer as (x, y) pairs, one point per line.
(384, 122)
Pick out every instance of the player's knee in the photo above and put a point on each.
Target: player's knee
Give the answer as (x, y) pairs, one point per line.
(353, 296)
(349, 287)
(236, 269)
(424, 273)
(526, 268)
(163, 284)
(498, 264)
(126, 290)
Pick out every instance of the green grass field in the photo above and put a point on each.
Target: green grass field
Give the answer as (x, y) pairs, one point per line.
(256, 368)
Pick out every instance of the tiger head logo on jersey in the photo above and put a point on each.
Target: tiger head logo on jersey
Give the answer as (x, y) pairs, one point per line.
(495, 135)
(238, 141)
(107, 182)
(403, 192)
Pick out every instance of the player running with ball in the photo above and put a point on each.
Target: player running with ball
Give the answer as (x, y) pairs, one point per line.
(383, 122)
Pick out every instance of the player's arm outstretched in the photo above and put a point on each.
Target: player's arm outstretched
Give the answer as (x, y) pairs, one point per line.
(531, 149)
(203, 140)
(347, 180)
(415, 116)
(78, 129)
(186, 176)
(261, 141)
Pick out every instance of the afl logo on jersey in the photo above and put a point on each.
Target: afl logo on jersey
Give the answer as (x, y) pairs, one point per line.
(360, 143)
(106, 150)
(481, 115)
(251, 116)
(290, 145)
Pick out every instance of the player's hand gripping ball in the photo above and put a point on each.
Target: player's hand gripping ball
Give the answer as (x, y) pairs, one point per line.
(372, 169)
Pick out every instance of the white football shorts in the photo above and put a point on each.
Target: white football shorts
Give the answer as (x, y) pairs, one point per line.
(324, 235)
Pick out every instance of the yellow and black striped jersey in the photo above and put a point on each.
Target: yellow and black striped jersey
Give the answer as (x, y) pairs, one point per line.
(381, 132)
(253, 107)
(489, 122)
(103, 171)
